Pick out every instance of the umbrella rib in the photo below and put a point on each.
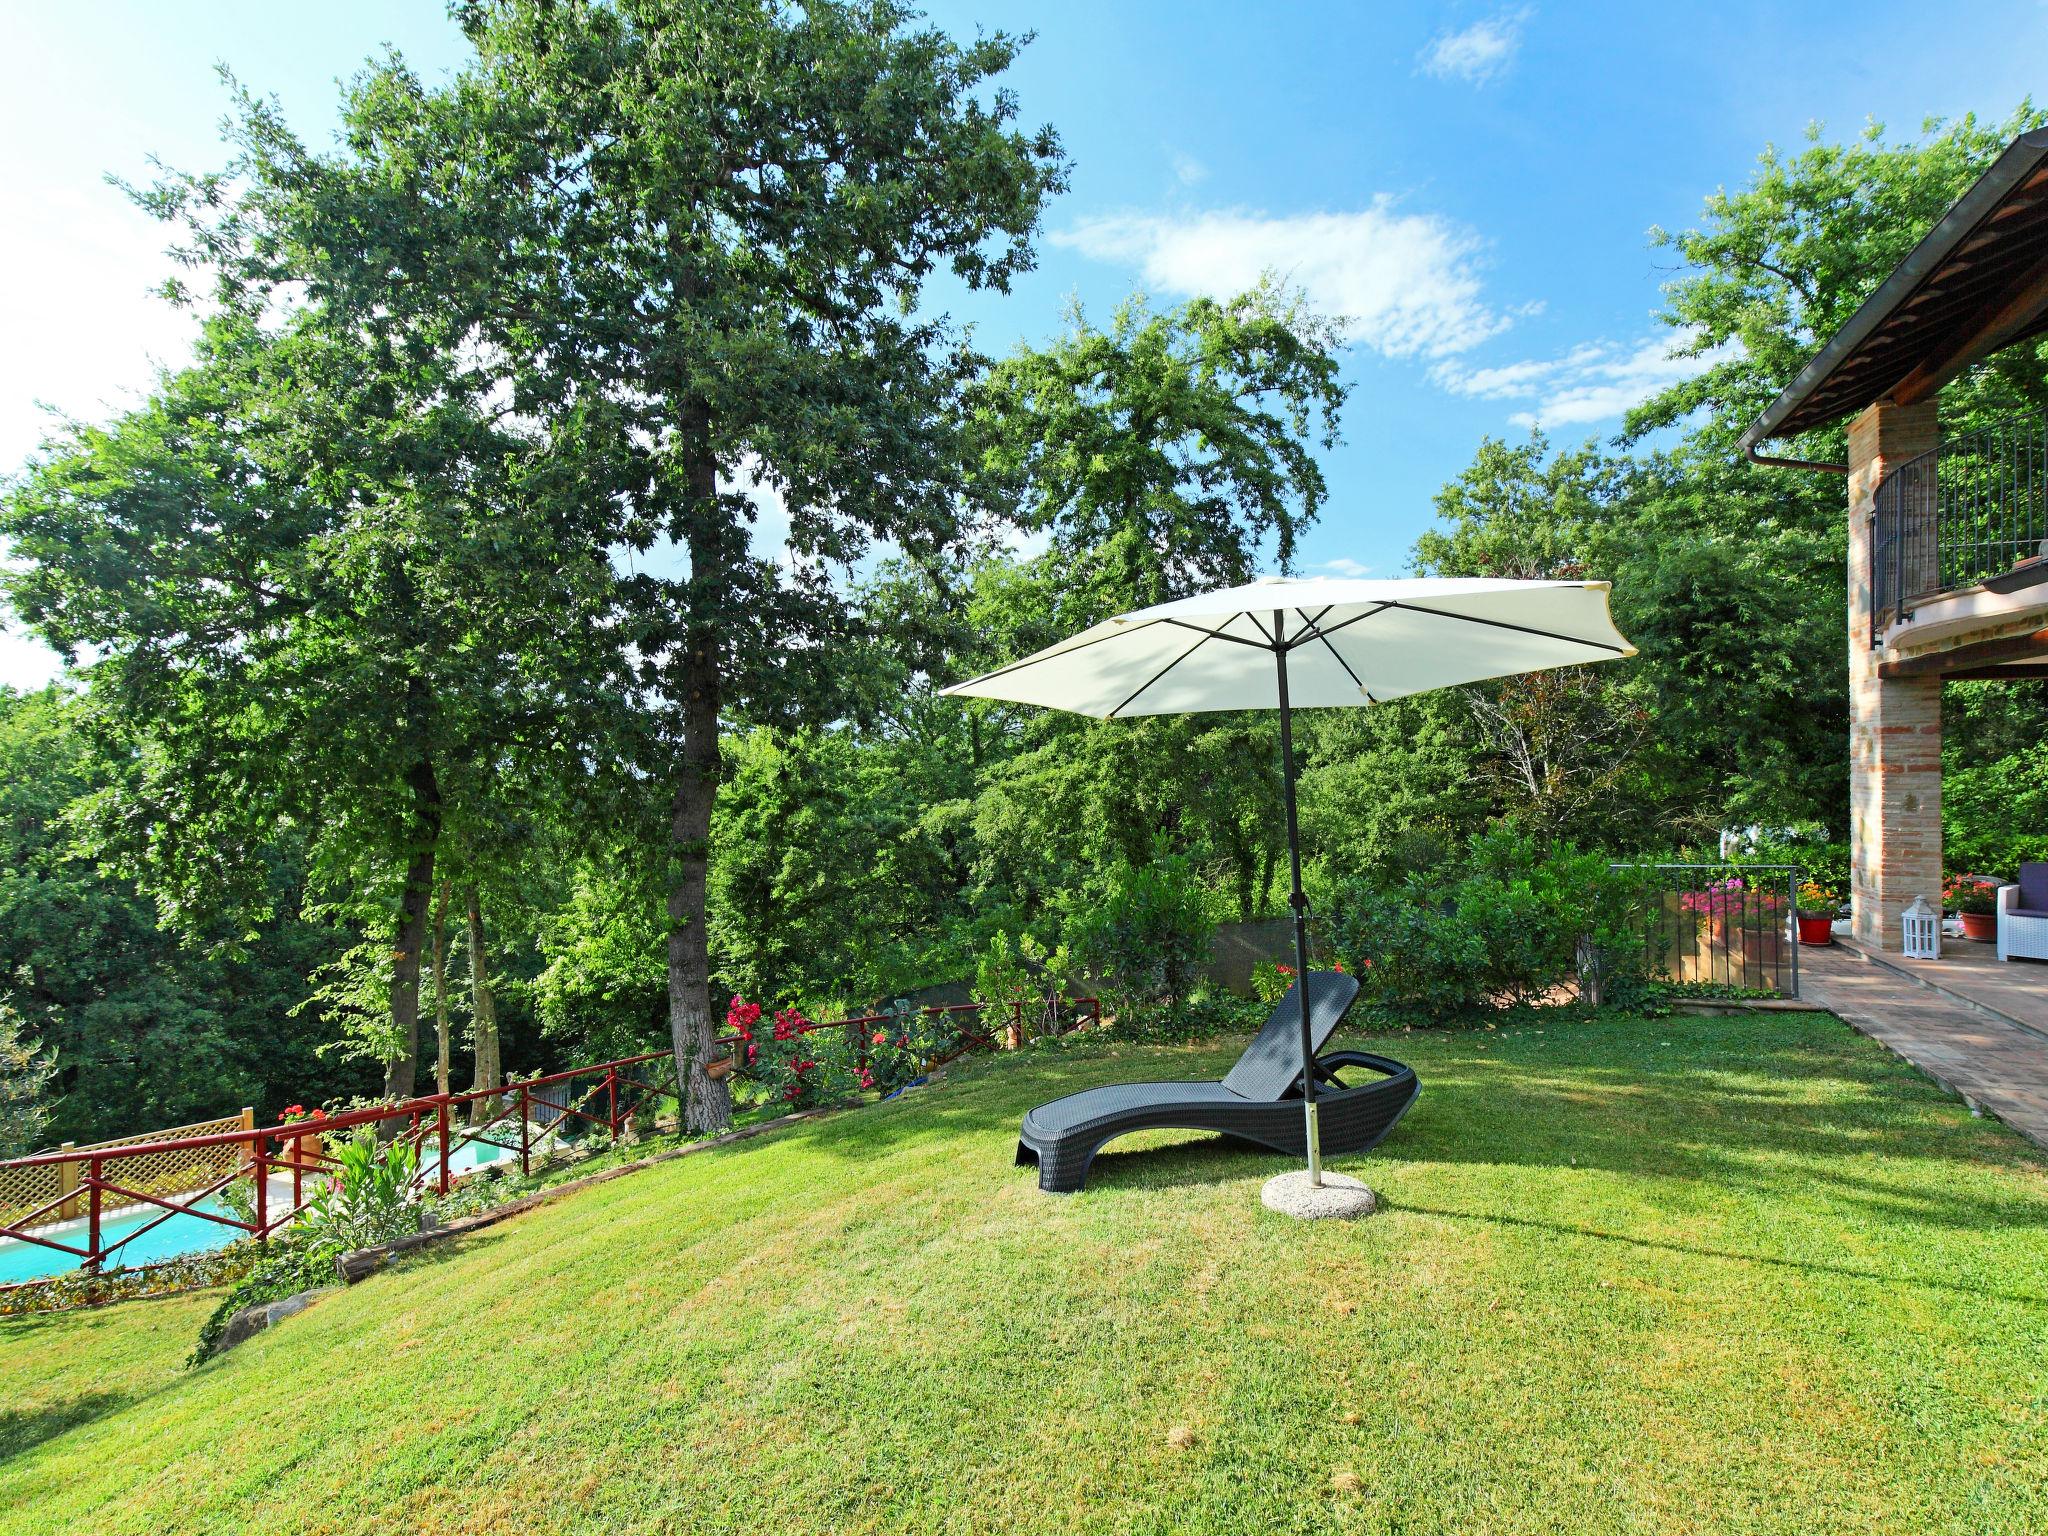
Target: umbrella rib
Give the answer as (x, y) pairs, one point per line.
(1523, 629)
(1336, 656)
(989, 677)
(1207, 636)
(1217, 634)
(1321, 633)
(1270, 641)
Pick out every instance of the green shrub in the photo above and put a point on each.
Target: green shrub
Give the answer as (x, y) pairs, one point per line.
(1995, 814)
(1507, 924)
(1818, 857)
(1146, 937)
(1270, 981)
(369, 1199)
(1021, 979)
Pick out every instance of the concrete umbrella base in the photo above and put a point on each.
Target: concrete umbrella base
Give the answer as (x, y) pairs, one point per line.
(1339, 1197)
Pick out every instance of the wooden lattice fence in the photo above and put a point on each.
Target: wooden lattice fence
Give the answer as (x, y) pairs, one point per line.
(173, 1171)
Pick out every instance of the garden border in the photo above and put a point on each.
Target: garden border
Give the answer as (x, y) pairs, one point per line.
(359, 1264)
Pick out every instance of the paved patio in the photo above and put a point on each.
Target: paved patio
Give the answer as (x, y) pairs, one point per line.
(1964, 1024)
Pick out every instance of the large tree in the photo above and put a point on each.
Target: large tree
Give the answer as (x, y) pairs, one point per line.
(1162, 454)
(688, 240)
(307, 580)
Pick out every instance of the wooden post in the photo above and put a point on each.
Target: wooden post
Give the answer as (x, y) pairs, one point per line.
(611, 1089)
(67, 1185)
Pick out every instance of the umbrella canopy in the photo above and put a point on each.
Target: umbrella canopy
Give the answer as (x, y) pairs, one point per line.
(1346, 642)
(1286, 643)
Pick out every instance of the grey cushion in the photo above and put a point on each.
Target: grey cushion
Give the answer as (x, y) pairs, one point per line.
(1119, 1099)
(2034, 887)
(1272, 1062)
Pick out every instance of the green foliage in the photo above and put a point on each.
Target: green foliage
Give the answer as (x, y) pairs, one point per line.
(1270, 981)
(149, 1026)
(1145, 935)
(1508, 925)
(25, 1073)
(1022, 980)
(1818, 857)
(1995, 814)
(1163, 452)
(369, 1199)
(1779, 265)
(603, 991)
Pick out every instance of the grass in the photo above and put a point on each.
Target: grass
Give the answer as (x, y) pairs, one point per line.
(1693, 1275)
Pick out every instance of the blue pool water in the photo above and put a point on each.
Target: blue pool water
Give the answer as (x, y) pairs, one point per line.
(179, 1235)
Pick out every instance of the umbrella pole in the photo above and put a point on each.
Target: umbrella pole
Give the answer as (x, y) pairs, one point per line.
(1299, 902)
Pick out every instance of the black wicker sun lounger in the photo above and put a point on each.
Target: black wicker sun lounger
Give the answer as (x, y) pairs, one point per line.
(1260, 1101)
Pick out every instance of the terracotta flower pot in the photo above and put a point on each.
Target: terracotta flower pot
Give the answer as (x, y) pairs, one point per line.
(1981, 926)
(1816, 930)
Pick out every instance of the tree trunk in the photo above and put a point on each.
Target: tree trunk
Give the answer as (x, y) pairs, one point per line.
(441, 989)
(400, 1068)
(483, 1010)
(707, 1103)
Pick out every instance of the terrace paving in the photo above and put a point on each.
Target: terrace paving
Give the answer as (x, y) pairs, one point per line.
(1966, 1026)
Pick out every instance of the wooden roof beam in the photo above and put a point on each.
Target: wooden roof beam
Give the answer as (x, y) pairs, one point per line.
(2005, 317)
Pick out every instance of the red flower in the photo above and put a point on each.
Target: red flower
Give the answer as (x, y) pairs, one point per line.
(881, 1035)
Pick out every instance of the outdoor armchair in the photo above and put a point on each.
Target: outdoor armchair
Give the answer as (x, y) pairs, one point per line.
(2023, 915)
(1259, 1101)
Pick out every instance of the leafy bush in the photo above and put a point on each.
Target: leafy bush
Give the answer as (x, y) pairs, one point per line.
(1817, 857)
(1995, 814)
(1146, 937)
(1270, 981)
(1021, 979)
(1507, 925)
(368, 1200)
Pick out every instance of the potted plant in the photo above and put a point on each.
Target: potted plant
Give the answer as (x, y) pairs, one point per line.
(1974, 898)
(1818, 905)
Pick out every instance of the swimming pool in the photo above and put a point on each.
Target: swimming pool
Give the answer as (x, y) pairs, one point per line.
(179, 1235)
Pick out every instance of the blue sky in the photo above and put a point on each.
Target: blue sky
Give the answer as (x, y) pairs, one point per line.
(1471, 183)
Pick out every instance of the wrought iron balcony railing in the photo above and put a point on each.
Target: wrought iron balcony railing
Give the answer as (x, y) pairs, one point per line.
(1972, 511)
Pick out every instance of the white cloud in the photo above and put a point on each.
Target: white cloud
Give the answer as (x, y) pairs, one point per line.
(1404, 284)
(1477, 53)
(1343, 566)
(1189, 171)
(1599, 381)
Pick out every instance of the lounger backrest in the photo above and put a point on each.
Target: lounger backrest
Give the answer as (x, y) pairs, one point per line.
(1272, 1061)
(2034, 887)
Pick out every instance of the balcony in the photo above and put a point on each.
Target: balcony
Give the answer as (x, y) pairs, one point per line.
(1960, 533)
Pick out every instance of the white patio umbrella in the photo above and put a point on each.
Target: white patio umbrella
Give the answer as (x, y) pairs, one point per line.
(1284, 643)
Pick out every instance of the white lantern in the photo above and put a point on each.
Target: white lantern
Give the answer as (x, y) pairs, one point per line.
(1923, 930)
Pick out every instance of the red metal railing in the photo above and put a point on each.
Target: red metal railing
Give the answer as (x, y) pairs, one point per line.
(294, 1149)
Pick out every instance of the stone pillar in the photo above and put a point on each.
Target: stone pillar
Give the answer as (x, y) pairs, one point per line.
(1894, 724)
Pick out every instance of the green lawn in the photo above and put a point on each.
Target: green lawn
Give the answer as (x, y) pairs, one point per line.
(1682, 1275)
